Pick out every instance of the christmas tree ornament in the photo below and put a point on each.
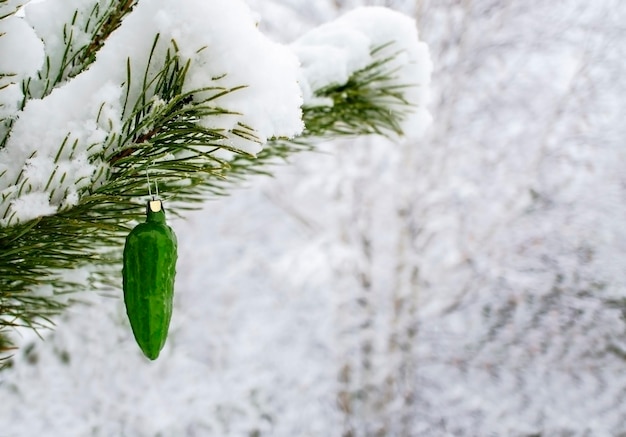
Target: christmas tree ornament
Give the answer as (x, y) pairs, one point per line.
(148, 272)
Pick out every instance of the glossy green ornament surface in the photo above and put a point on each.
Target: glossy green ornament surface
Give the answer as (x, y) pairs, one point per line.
(148, 279)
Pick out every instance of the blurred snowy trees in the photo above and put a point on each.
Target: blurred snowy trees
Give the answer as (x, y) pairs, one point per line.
(467, 283)
(476, 270)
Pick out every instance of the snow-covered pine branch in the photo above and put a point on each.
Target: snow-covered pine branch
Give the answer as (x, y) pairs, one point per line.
(191, 93)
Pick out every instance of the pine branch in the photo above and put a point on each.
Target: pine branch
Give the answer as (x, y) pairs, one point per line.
(369, 103)
(162, 136)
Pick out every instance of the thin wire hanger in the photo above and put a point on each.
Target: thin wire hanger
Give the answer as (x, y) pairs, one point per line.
(156, 185)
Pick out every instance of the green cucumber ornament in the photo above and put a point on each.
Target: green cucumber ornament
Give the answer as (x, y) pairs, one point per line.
(148, 274)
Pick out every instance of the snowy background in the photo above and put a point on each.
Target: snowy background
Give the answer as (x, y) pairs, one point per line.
(461, 284)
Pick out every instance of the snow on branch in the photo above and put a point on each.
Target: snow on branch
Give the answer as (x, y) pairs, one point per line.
(373, 48)
(56, 144)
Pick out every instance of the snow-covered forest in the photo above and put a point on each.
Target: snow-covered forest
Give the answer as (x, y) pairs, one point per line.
(468, 280)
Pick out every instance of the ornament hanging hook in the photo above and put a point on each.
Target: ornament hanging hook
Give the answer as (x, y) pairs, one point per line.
(154, 204)
(156, 184)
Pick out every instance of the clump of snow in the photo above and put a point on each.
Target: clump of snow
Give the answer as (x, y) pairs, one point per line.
(32, 205)
(228, 53)
(331, 53)
(22, 54)
(60, 25)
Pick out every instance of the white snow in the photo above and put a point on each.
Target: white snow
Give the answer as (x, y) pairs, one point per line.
(22, 52)
(22, 55)
(32, 205)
